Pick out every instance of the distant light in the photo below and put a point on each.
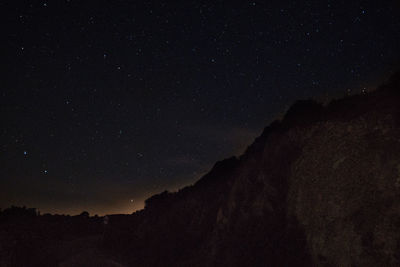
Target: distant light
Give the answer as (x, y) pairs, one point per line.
(25, 153)
(45, 171)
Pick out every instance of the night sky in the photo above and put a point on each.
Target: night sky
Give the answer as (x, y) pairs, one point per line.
(104, 103)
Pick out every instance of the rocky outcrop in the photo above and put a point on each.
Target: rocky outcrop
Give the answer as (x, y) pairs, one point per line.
(319, 188)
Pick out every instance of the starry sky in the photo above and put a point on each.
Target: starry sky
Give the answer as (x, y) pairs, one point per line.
(104, 103)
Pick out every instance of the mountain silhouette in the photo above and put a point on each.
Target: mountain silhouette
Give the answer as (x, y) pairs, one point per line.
(321, 187)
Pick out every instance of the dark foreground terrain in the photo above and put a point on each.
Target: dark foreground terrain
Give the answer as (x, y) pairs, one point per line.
(321, 187)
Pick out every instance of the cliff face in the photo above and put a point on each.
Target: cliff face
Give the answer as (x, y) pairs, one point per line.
(321, 187)
(323, 191)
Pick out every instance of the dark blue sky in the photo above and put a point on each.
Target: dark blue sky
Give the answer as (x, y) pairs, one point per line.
(104, 103)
